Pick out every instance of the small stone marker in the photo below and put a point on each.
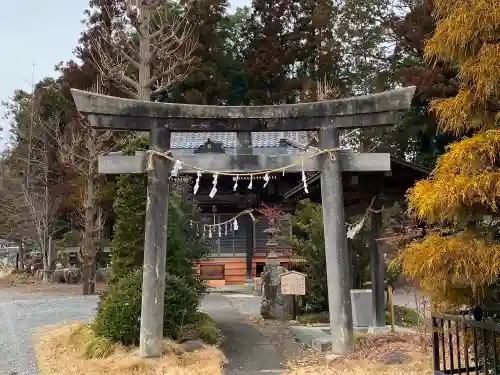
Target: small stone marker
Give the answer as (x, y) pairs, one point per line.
(293, 283)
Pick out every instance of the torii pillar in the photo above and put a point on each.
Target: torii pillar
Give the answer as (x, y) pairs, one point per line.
(327, 117)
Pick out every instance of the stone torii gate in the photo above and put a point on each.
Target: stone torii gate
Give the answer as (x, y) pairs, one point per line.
(327, 117)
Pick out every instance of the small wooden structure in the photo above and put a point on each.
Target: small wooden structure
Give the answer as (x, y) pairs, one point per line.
(293, 283)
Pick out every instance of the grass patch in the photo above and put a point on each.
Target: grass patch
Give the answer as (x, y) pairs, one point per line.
(59, 351)
(205, 329)
(403, 316)
(91, 345)
(313, 318)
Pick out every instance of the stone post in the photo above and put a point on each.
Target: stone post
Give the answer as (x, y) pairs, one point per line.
(337, 258)
(249, 248)
(377, 269)
(244, 147)
(155, 248)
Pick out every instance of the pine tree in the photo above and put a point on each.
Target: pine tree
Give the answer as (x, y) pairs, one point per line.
(321, 54)
(232, 62)
(363, 31)
(459, 263)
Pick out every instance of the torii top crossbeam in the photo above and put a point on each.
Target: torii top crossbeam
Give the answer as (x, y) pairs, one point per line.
(108, 112)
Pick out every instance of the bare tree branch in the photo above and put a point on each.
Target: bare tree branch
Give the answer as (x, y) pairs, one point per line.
(146, 50)
(79, 149)
(31, 188)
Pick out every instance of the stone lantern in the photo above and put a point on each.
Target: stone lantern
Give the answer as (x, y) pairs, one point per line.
(272, 242)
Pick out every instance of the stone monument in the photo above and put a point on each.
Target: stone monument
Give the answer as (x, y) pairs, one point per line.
(274, 305)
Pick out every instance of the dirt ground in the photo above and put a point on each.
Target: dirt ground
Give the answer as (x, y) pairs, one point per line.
(280, 334)
(388, 354)
(19, 284)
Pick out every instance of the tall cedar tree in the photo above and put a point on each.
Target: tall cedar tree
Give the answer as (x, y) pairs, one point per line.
(460, 263)
(433, 80)
(232, 61)
(363, 31)
(367, 44)
(321, 55)
(205, 82)
(274, 49)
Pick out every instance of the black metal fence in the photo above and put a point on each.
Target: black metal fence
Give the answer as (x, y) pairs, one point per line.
(464, 345)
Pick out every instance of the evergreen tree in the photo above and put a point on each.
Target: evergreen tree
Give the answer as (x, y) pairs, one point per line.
(321, 54)
(83, 74)
(362, 28)
(433, 80)
(274, 50)
(232, 61)
(127, 248)
(460, 263)
(205, 82)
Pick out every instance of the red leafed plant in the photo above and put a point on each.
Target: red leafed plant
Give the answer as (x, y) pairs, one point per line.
(272, 213)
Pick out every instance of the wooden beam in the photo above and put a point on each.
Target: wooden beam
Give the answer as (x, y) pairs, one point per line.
(349, 161)
(108, 112)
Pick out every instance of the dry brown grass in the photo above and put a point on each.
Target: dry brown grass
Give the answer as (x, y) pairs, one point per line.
(369, 358)
(7, 275)
(56, 355)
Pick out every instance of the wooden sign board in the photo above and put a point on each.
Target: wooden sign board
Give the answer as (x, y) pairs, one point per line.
(293, 283)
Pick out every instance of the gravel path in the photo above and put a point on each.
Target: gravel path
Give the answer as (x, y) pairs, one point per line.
(20, 315)
(248, 351)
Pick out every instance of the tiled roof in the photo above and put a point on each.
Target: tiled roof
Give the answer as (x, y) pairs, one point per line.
(271, 151)
(259, 139)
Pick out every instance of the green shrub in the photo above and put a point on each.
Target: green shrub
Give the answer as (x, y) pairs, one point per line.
(127, 248)
(309, 241)
(118, 316)
(204, 329)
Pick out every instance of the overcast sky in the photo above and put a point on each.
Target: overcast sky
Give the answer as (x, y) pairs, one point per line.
(36, 36)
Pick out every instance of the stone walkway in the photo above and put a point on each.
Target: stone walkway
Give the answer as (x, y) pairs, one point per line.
(246, 348)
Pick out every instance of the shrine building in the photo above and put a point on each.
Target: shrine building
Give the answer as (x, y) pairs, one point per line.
(241, 255)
